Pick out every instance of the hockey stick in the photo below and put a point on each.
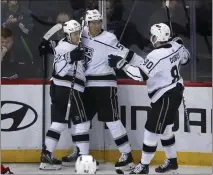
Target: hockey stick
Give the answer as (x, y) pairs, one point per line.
(186, 7)
(46, 37)
(68, 116)
(130, 15)
(184, 101)
(27, 49)
(169, 17)
(52, 31)
(119, 171)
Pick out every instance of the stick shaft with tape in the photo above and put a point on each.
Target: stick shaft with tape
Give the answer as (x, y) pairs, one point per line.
(46, 37)
(68, 116)
(184, 100)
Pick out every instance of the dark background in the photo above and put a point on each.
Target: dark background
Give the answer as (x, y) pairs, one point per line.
(43, 15)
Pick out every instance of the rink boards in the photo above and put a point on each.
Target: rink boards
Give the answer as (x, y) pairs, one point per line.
(21, 125)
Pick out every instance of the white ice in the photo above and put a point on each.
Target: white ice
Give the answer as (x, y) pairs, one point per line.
(29, 168)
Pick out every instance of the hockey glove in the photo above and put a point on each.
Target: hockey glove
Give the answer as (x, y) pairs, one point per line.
(178, 40)
(77, 55)
(116, 61)
(45, 47)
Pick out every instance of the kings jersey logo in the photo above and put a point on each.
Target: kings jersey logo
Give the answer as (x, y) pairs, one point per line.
(88, 55)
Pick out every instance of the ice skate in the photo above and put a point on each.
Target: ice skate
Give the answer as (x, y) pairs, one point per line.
(125, 162)
(48, 162)
(71, 159)
(140, 169)
(169, 165)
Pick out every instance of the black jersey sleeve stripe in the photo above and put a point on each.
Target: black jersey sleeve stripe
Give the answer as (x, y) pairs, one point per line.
(105, 44)
(101, 43)
(145, 77)
(62, 68)
(129, 56)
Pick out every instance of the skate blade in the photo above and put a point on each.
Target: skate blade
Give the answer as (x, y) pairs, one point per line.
(127, 167)
(174, 172)
(170, 172)
(47, 166)
(119, 171)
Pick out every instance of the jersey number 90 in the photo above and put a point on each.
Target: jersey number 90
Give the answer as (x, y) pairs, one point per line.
(175, 74)
(148, 63)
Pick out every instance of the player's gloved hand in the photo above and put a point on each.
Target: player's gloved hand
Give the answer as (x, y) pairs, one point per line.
(77, 55)
(116, 61)
(178, 40)
(45, 47)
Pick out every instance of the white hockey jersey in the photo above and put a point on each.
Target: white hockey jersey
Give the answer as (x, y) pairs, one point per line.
(160, 68)
(63, 71)
(97, 49)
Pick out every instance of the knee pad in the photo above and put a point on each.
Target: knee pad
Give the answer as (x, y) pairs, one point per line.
(150, 138)
(81, 128)
(167, 133)
(58, 126)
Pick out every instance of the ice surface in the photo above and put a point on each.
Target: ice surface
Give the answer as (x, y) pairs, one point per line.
(29, 168)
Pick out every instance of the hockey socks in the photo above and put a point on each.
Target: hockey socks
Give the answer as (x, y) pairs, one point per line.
(119, 135)
(81, 137)
(53, 135)
(169, 147)
(149, 147)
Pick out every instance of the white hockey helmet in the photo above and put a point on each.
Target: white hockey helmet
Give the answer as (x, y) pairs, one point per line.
(93, 15)
(71, 26)
(161, 31)
(85, 164)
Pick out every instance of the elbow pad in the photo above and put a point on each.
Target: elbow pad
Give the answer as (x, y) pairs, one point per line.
(133, 72)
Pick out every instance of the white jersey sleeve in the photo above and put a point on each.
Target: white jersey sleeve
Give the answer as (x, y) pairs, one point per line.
(141, 69)
(124, 52)
(61, 64)
(63, 71)
(120, 50)
(62, 58)
(149, 65)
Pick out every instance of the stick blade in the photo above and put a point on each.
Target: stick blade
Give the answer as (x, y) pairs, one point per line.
(52, 31)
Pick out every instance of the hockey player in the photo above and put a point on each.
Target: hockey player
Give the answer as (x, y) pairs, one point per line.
(100, 95)
(66, 53)
(165, 88)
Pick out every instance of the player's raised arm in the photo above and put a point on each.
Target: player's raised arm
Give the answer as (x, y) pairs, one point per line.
(185, 55)
(144, 68)
(121, 50)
